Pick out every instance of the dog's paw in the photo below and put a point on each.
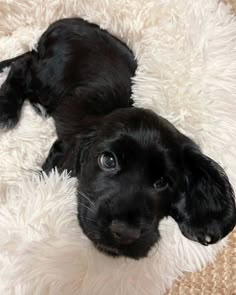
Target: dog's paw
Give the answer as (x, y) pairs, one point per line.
(40, 110)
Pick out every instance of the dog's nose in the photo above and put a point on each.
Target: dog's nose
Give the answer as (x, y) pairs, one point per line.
(123, 233)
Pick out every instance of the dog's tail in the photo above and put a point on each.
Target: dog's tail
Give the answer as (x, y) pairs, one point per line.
(8, 62)
(14, 90)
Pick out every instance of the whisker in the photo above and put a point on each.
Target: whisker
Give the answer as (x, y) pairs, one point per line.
(86, 218)
(92, 235)
(87, 207)
(85, 196)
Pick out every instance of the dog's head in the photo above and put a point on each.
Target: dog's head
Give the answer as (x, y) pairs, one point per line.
(134, 169)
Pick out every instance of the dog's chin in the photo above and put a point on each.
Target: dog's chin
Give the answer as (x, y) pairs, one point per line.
(103, 241)
(137, 250)
(129, 252)
(99, 233)
(108, 250)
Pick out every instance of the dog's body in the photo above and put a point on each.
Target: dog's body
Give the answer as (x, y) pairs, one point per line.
(78, 72)
(134, 167)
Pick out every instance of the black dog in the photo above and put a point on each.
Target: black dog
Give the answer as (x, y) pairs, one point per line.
(134, 167)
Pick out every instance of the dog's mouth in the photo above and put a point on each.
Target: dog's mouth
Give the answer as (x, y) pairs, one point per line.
(105, 240)
(136, 250)
(108, 250)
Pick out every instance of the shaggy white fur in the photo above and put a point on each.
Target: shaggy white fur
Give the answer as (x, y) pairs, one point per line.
(186, 52)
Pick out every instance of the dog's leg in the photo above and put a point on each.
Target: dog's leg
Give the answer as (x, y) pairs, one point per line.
(63, 156)
(14, 90)
(57, 157)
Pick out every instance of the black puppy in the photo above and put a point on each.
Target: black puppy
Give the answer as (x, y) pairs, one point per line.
(134, 167)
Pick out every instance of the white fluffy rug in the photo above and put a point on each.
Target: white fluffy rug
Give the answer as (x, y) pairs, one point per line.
(186, 50)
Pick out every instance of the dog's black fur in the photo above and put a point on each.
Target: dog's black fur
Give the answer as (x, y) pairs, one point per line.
(134, 167)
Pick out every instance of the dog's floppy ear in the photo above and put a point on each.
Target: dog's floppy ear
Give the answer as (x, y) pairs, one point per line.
(205, 208)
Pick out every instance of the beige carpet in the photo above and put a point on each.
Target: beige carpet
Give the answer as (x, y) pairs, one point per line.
(215, 279)
(233, 3)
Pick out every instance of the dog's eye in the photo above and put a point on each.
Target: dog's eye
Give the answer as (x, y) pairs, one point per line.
(160, 184)
(107, 161)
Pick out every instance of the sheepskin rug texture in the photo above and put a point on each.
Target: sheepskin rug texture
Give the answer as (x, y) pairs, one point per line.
(186, 51)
